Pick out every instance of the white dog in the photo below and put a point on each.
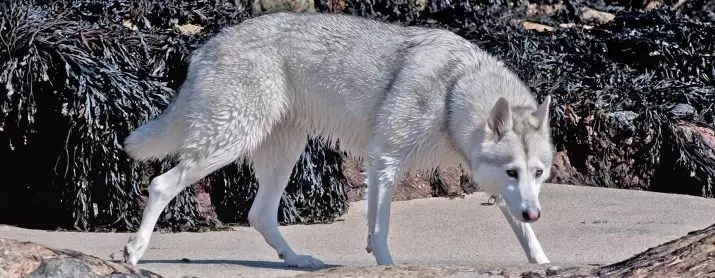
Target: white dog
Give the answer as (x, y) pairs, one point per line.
(400, 97)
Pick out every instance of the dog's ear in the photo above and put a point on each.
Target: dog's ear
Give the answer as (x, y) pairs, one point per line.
(500, 120)
(542, 112)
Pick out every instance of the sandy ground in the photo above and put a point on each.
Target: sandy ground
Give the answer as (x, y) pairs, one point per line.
(580, 225)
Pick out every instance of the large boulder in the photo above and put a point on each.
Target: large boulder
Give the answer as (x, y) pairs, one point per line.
(690, 256)
(28, 259)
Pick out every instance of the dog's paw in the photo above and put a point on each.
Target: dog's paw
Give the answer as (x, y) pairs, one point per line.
(382, 256)
(383, 259)
(303, 261)
(539, 259)
(133, 250)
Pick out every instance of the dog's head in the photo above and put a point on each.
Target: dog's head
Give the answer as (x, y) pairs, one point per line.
(515, 155)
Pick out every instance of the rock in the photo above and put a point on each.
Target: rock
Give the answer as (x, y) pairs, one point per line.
(189, 29)
(64, 267)
(335, 6)
(534, 10)
(554, 270)
(203, 199)
(562, 172)
(689, 256)
(653, 5)
(531, 274)
(572, 25)
(533, 26)
(413, 185)
(355, 174)
(682, 110)
(588, 14)
(623, 120)
(32, 260)
(708, 135)
(270, 6)
(420, 5)
(130, 25)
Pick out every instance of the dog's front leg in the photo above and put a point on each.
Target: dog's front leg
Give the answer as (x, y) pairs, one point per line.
(526, 235)
(381, 186)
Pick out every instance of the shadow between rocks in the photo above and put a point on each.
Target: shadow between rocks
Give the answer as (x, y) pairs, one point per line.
(247, 263)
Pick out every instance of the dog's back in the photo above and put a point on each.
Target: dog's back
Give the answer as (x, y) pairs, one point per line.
(337, 69)
(330, 59)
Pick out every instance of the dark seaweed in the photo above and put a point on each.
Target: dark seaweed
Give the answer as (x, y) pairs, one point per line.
(623, 93)
(76, 82)
(627, 96)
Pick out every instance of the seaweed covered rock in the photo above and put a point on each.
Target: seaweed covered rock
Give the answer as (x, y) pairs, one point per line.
(78, 77)
(623, 90)
(688, 256)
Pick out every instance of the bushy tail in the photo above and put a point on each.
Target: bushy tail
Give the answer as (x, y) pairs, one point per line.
(155, 139)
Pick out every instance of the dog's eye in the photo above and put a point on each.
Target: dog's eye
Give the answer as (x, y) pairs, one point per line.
(512, 173)
(539, 172)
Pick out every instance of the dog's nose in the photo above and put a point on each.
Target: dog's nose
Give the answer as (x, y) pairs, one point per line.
(531, 215)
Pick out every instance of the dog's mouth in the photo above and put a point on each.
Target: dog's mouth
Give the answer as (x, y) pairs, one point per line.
(527, 220)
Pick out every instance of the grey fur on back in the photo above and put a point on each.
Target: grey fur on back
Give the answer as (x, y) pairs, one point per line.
(252, 76)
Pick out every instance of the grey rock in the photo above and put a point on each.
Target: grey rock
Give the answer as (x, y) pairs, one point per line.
(682, 110)
(64, 267)
(553, 270)
(531, 274)
(124, 275)
(72, 267)
(623, 119)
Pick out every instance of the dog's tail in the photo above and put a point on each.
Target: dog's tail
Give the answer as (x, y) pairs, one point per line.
(156, 138)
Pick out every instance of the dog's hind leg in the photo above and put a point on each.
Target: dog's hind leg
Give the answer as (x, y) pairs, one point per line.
(162, 190)
(525, 234)
(273, 164)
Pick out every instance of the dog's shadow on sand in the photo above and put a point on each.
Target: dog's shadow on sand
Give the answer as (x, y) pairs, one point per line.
(247, 263)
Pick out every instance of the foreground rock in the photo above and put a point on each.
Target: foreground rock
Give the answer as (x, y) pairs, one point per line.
(690, 256)
(27, 259)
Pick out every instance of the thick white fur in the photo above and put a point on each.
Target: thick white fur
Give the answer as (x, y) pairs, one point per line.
(401, 98)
